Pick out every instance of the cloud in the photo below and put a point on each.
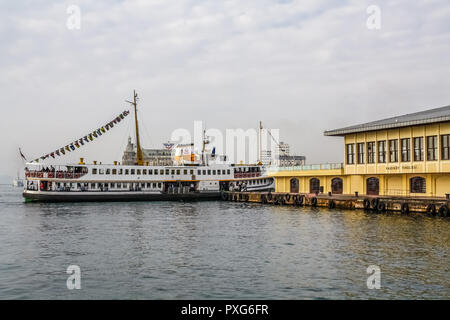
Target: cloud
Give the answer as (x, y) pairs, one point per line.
(305, 66)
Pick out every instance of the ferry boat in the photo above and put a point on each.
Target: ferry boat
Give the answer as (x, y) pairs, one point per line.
(192, 177)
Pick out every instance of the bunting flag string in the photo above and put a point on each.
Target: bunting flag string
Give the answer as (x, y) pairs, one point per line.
(72, 146)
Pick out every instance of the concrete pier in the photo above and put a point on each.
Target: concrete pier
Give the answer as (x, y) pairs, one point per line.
(438, 206)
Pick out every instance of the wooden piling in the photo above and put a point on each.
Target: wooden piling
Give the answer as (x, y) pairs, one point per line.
(432, 206)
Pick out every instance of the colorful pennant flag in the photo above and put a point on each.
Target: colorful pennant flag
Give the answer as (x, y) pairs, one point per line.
(87, 138)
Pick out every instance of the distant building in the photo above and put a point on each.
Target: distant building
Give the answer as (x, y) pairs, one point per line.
(154, 157)
(281, 157)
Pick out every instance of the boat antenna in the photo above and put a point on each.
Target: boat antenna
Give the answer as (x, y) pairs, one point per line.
(139, 156)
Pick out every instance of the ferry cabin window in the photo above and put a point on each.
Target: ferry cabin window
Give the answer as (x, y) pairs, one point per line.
(209, 172)
(149, 185)
(173, 171)
(154, 185)
(405, 144)
(184, 171)
(432, 148)
(127, 171)
(167, 171)
(393, 150)
(418, 149)
(382, 151)
(120, 171)
(228, 171)
(150, 171)
(360, 153)
(214, 172)
(94, 171)
(159, 185)
(178, 171)
(144, 171)
(371, 152)
(92, 185)
(108, 171)
(113, 185)
(114, 171)
(199, 172)
(101, 171)
(204, 172)
(138, 171)
(132, 171)
(192, 171)
(445, 147)
(218, 172)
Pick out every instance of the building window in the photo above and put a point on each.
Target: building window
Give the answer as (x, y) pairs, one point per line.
(405, 150)
(382, 151)
(432, 148)
(418, 149)
(371, 152)
(393, 150)
(361, 153)
(350, 153)
(417, 185)
(445, 147)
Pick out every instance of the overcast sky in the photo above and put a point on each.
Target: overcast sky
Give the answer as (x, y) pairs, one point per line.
(301, 66)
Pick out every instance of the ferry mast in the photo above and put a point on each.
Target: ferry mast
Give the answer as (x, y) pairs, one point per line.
(139, 156)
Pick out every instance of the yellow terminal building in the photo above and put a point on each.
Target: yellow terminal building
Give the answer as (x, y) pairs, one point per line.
(407, 155)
